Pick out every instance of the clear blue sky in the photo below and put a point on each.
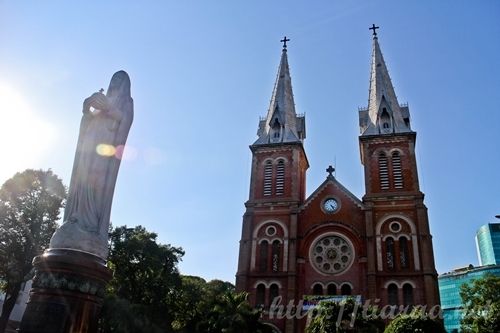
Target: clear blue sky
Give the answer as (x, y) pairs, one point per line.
(202, 73)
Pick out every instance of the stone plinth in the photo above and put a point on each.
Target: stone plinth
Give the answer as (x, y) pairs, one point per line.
(67, 293)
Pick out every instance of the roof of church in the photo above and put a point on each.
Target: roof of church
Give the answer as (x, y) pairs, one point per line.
(282, 123)
(382, 98)
(330, 179)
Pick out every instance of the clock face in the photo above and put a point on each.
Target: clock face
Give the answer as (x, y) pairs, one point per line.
(330, 205)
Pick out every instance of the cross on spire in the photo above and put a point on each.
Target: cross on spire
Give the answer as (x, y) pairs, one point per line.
(374, 28)
(330, 171)
(284, 40)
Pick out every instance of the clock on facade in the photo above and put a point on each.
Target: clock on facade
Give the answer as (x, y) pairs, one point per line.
(330, 205)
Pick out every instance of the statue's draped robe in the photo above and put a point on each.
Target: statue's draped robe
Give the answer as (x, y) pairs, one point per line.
(95, 169)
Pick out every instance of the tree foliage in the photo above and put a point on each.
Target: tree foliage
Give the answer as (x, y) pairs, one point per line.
(481, 300)
(143, 289)
(416, 321)
(214, 307)
(147, 293)
(30, 204)
(345, 316)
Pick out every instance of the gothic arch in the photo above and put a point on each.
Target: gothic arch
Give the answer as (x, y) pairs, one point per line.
(414, 239)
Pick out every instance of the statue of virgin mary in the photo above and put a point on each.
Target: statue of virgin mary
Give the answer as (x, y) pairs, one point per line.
(104, 129)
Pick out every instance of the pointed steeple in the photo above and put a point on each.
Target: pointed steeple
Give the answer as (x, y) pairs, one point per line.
(384, 115)
(282, 123)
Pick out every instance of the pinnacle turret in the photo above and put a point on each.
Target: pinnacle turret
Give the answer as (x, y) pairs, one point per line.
(282, 123)
(384, 115)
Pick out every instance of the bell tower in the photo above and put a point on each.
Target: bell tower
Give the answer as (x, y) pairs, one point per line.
(400, 256)
(267, 260)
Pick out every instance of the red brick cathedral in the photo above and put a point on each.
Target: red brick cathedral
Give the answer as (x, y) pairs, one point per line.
(331, 242)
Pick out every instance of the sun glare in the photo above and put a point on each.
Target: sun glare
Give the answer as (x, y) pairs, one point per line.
(24, 137)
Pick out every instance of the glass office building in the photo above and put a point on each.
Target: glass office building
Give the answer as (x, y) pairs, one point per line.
(449, 290)
(488, 244)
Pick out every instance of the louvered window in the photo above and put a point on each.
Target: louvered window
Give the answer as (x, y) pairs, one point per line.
(383, 171)
(404, 253)
(275, 253)
(397, 173)
(280, 178)
(268, 178)
(263, 256)
(390, 253)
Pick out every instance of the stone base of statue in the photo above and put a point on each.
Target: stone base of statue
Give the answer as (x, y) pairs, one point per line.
(67, 293)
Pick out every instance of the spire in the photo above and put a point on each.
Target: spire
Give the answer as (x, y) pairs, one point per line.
(282, 123)
(384, 114)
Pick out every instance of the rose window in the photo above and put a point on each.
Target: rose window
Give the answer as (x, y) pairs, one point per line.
(332, 254)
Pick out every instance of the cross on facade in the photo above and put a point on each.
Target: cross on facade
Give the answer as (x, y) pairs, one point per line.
(284, 40)
(101, 90)
(330, 171)
(374, 28)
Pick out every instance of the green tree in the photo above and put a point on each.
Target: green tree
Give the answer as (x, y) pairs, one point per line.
(214, 307)
(481, 300)
(416, 321)
(142, 293)
(30, 204)
(337, 317)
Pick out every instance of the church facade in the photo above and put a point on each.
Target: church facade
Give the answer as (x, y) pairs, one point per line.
(331, 243)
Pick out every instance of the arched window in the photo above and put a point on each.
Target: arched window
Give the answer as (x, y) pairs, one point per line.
(276, 254)
(404, 253)
(345, 289)
(383, 171)
(392, 294)
(407, 294)
(332, 289)
(268, 178)
(274, 291)
(397, 173)
(318, 289)
(280, 178)
(263, 255)
(260, 296)
(385, 120)
(389, 252)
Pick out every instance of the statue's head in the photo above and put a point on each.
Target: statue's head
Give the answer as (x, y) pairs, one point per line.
(119, 85)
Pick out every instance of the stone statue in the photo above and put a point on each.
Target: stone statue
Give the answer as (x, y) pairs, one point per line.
(104, 129)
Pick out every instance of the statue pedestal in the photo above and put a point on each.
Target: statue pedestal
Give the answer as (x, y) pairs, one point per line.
(67, 292)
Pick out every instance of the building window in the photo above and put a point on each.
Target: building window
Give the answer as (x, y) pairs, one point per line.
(389, 251)
(274, 291)
(345, 289)
(407, 294)
(317, 289)
(383, 171)
(392, 294)
(263, 256)
(397, 173)
(275, 253)
(404, 253)
(268, 178)
(260, 296)
(332, 289)
(280, 178)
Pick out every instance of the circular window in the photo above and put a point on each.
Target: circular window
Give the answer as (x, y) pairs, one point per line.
(395, 226)
(331, 254)
(270, 231)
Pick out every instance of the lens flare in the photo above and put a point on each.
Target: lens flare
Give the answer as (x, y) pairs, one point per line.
(104, 149)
